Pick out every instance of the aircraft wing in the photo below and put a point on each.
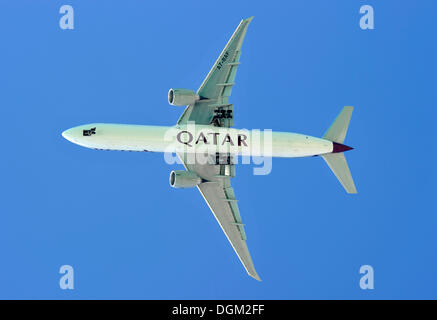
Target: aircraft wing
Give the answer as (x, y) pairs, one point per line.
(220, 197)
(217, 86)
(214, 109)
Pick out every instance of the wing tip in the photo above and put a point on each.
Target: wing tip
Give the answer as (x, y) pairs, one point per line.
(255, 276)
(248, 20)
(352, 191)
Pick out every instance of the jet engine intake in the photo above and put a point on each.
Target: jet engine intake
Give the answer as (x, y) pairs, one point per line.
(182, 97)
(184, 179)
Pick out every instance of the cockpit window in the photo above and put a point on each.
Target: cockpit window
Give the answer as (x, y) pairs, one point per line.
(89, 132)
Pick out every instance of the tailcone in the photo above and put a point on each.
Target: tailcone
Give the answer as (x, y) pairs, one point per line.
(338, 147)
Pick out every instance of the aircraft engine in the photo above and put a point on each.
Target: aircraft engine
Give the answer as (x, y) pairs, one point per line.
(182, 97)
(184, 179)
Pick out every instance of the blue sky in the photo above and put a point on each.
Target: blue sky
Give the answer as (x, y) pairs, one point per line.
(129, 235)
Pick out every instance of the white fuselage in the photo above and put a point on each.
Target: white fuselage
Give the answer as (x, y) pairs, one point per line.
(197, 139)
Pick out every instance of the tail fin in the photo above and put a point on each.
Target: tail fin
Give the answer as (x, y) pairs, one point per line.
(336, 160)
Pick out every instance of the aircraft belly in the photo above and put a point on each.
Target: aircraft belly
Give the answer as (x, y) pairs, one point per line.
(204, 139)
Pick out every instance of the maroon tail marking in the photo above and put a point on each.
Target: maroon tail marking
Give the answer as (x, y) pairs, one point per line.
(338, 147)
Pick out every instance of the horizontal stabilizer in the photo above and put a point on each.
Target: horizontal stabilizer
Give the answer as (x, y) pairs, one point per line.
(337, 163)
(337, 131)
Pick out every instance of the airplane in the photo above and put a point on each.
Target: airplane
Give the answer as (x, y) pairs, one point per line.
(206, 128)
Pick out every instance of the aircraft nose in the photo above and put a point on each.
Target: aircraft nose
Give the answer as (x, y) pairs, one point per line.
(68, 134)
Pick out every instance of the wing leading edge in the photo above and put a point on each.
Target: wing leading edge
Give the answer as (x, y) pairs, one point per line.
(214, 109)
(220, 197)
(226, 212)
(217, 86)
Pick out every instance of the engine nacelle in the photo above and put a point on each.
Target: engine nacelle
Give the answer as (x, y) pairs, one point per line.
(182, 97)
(184, 179)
